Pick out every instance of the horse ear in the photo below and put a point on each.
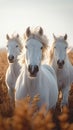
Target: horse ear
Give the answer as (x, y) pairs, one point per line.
(17, 36)
(41, 31)
(7, 36)
(28, 32)
(65, 37)
(55, 38)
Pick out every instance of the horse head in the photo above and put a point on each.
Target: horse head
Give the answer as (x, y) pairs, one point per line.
(34, 50)
(60, 46)
(14, 47)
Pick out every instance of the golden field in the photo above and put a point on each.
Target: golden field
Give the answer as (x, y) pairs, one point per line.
(27, 117)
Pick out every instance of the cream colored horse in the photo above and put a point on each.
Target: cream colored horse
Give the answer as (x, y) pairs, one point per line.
(59, 60)
(36, 78)
(14, 47)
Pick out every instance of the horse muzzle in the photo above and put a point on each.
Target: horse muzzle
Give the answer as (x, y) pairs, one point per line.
(11, 58)
(60, 64)
(33, 69)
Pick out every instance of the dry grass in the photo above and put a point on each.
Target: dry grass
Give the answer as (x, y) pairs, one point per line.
(71, 57)
(26, 115)
(3, 63)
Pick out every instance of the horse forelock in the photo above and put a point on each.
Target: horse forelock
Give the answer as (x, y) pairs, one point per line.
(42, 38)
(60, 39)
(18, 40)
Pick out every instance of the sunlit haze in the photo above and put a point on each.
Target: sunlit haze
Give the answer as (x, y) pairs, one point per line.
(55, 16)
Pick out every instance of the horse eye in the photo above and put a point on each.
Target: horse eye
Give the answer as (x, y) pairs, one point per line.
(66, 47)
(16, 45)
(54, 46)
(41, 48)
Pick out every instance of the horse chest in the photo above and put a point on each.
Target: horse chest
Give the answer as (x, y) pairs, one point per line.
(32, 88)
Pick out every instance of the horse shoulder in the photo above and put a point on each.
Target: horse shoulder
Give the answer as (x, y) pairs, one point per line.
(48, 77)
(49, 86)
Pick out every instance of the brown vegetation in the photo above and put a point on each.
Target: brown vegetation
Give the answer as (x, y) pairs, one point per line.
(26, 116)
(3, 63)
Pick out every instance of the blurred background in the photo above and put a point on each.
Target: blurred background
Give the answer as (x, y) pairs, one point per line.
(55, 16)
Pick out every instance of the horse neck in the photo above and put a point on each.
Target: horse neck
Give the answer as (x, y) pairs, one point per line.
(31, 83)
(15, 67)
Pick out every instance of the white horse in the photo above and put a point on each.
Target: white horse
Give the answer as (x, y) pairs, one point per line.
(59, 60)
(14, 47)
(36, 78)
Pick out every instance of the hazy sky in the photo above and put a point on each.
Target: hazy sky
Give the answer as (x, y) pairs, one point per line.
(55, 16)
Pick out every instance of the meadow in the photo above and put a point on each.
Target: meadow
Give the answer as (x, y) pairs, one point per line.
(27, 117)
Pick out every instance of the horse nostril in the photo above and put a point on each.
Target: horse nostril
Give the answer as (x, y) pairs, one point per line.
(11, 57)
(36, 68)
(29, 68)
(58, 61)
(63, 62)
(33, 68)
